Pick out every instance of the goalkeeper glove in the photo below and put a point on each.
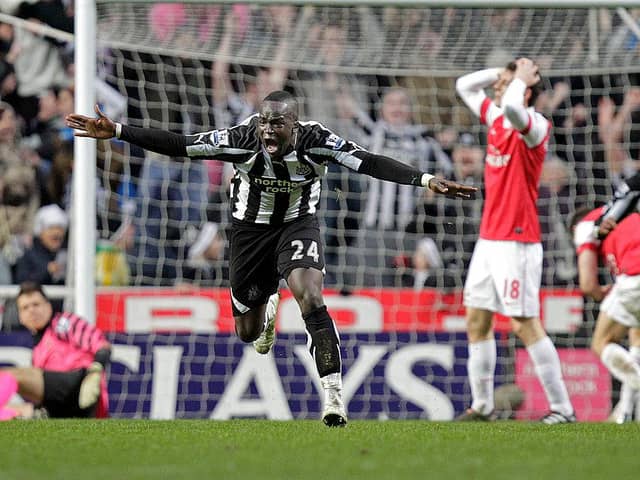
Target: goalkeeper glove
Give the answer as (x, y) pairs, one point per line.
(90, 386)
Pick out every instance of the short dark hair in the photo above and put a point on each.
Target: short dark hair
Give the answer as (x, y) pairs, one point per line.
(29, 287)
(575, 218)
(284, 97)
(536, 89)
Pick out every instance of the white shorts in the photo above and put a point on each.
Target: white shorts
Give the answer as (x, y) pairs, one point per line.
(622, 304)
(504, 277)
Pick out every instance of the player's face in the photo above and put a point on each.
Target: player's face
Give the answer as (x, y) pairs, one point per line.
(276, 126)
(396, 109)
(501, 85)
(467, 161)
(34, 311)
(52, 238)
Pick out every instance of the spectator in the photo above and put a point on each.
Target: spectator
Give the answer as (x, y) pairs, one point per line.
(468, 162)
(427, 268)
(9, 134)
(42, 68)
(8, 82)
(390, 207)
(45, 262)
(557, 194)
(18, 194)
(69, 356)
(58, 182)
(396, 135)
(205, 248)
(408, 33)
(230, 107)
(173, 198)
(43, 132)
(467, 156)
(17, 210)
(612, 127)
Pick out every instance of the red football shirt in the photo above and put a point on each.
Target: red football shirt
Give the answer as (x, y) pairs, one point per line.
(511, 175)
(620, 250)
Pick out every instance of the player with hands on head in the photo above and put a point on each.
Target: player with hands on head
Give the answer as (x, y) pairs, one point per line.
(69, 357)
(506, 266)
(279, 162)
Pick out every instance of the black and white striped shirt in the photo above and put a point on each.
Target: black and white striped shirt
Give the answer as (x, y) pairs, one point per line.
(390, 206)
(267, 191)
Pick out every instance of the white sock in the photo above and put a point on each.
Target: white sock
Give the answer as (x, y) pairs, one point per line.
(627, 400)
(481, 368)
(627, 394)
(635, 353)
(621, 365)
(547, 364)
(332, 381)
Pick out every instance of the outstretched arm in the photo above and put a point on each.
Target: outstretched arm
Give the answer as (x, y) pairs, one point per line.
(159, 141)
(386, 168)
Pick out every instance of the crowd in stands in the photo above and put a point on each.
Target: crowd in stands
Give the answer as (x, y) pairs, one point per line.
(166, 218)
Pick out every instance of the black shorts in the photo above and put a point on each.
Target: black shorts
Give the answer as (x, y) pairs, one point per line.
(262, 254)
(61, 391)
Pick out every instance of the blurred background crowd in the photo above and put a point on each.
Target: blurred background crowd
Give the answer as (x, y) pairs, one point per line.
(380, 76)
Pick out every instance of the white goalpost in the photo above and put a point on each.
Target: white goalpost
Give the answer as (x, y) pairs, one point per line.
(83, 232)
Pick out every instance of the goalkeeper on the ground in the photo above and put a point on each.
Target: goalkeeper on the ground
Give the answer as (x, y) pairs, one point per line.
(69, 356)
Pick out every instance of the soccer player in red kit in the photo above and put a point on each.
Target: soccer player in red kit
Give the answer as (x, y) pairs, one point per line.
(506, 266)
(69, 356)
(620, 307)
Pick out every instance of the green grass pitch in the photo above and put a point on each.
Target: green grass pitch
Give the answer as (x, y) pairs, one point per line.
(307, 450)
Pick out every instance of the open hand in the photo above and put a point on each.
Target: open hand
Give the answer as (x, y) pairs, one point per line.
(101, 127)
(451, 189)
(527, 71)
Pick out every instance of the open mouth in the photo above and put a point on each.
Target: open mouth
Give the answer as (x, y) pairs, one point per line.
(270, 145)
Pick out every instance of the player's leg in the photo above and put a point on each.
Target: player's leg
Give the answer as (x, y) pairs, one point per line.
(61, 396)
(265, 341)
(618, 313)
(301, 262)
(249, 324)
(480, 302)
(28, 382)
(519, 280)
(634, 349)
(616, 358)
(8, 388)
(253, 278)
(546, 361)
(481, 364)
(324, 345)
(623, 411)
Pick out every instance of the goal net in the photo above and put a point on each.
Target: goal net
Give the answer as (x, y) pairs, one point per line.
(190, 67)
